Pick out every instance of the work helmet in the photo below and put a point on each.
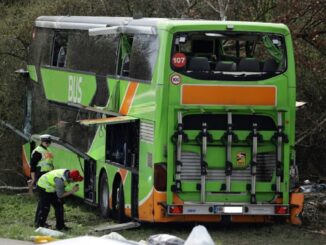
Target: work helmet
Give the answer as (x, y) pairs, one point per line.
(46, 138)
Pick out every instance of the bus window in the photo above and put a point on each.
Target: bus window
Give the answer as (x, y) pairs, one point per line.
(122, 143)
(40, 48)
(59, 49)
(92, 53)
(246, 56)
(143, 56)
(126, 44)
(203, 47)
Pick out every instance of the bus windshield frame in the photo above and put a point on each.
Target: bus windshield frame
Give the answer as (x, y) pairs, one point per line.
(229, 55)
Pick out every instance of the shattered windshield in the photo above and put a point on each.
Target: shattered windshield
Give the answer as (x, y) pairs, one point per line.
(229, 55)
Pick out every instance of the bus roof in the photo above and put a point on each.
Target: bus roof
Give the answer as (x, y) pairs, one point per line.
(89, 22)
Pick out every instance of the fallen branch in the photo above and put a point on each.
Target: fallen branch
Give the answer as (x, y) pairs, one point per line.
(16, 188)
(310, 131)
(322, 232)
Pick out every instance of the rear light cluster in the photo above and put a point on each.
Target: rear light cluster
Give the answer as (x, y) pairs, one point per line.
(177, 209)
(281, 209)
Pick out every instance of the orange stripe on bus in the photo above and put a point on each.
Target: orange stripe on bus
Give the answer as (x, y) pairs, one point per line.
(26, 166)
(123, 174)
(228, 95)
(145, 209)
(129, 96)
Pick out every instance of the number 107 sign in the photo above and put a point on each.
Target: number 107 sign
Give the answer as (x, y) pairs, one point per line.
(179, 60)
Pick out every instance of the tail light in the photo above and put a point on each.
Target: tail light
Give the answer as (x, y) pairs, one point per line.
(160, 176)
(281, 210)
(177, 209)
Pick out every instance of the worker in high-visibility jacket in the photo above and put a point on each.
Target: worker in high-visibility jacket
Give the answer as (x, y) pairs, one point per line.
(51, 187)
(41, 163)
(41, 159)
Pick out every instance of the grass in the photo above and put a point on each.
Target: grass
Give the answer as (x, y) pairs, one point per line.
(17, 213)
(17, 216)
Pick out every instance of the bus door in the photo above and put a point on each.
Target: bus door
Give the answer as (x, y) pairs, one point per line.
(122, 151)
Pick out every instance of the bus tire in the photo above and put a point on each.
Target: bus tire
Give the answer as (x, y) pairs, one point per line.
(104, 197)
(118, 205)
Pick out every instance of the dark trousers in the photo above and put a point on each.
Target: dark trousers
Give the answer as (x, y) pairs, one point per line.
(47, 199)
(38, 174)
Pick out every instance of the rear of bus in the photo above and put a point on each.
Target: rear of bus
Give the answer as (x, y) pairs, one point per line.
(231, 120)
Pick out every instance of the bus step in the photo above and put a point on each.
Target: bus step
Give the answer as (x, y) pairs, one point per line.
(110, 227)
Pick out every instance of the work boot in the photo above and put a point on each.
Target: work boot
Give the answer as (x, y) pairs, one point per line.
(46, 225)
(63, 228)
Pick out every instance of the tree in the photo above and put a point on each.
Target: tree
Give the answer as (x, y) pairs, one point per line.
(306, 20)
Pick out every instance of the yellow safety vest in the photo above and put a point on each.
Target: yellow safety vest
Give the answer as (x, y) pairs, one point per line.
(46, 181)
(46, 163)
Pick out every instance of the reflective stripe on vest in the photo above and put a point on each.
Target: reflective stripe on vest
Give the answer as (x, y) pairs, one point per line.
(46, 163)
(46, 181)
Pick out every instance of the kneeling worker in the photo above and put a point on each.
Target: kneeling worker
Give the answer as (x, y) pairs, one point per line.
(51, 188)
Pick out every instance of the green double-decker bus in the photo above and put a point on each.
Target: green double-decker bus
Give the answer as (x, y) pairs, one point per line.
(173, 120)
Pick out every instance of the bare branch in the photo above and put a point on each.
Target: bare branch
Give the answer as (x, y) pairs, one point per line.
(129, 7)
(265, 11)
(310, 131)
(222, 8)
(212, 6)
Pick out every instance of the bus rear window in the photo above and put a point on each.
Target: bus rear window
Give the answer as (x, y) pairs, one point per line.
(229, 55)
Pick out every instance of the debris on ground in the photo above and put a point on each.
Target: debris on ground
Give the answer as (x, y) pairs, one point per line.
(42, 239)
(49, 232)
(115, 227)
(198, 236)
(314, 211)
(306, 188)
(86, 240)
(164, 239)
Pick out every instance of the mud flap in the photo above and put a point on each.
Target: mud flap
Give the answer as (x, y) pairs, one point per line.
(296, 204)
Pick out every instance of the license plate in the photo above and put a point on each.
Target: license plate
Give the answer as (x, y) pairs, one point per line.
(233, 210)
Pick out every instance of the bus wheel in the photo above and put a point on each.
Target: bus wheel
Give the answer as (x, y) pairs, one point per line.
(118, 204)
(104, 196)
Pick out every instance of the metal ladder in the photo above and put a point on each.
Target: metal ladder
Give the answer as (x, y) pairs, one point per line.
(203, 138)
(228, 163)
(279, 139)
(253, 165)
(178, 138)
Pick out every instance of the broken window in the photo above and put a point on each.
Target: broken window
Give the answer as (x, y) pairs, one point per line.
(225, 55)
(122, 143)
(96, 54)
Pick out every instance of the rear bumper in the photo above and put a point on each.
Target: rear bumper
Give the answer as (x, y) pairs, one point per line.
(228, 209)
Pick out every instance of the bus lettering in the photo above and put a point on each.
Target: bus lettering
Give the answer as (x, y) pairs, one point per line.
(74, 89)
